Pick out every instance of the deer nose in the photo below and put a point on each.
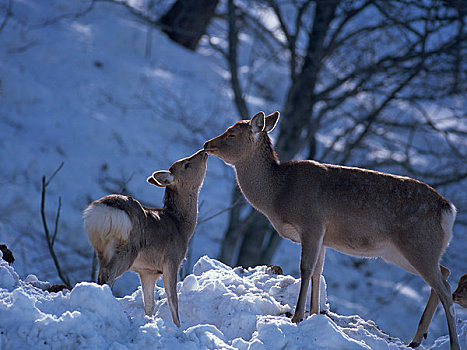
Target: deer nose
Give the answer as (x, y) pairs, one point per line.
(209, 147)
(201, 154)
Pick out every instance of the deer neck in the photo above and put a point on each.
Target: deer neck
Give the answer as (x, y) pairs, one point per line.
(183, 208)
(257, 177)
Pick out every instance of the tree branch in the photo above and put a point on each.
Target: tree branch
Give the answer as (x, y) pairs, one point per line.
(239, 99)
(51, 239)
(7, 15)
(374, 114)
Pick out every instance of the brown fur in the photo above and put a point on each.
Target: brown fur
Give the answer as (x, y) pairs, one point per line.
(356, 211)
(153, 241)
(274, 270)
(460, 294)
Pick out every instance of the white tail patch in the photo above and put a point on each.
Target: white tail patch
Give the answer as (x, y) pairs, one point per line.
(447, 222)
(106, 226)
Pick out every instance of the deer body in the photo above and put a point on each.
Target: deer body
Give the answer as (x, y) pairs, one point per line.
(350, 204)
(355, 211)
(149, 241)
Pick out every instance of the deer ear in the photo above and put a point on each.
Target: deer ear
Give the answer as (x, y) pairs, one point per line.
(257, 122)
(152, 181)
(271, 121)
(161, 178)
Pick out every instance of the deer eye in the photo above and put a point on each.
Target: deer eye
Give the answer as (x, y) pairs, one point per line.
(231, 135)
(187, 165)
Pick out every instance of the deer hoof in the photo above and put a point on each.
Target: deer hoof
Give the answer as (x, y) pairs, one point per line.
(413, 345)
(297, 318)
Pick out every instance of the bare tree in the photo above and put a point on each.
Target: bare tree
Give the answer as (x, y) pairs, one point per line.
(186, 21)
(365, 78)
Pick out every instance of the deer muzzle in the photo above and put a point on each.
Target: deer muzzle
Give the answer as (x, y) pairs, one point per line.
(209, 147)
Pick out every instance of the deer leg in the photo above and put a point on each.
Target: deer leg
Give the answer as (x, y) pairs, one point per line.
(169, 277)
(148, 283)
(102, 263)
(316, 282)
(120, 262)
(430, 309)
(309, 257)
(444, 293)
(432, 273)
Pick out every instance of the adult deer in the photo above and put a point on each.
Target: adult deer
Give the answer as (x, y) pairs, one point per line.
(149, 241)
(355, 211)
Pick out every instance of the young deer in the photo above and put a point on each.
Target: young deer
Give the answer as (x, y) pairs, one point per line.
(460, 294)
(355, 211)
(151, 242)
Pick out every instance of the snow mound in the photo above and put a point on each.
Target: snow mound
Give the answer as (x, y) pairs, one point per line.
(220, 308)
(9, 279)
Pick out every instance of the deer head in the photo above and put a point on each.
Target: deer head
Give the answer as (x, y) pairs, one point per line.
(186, 173)
(242, 139)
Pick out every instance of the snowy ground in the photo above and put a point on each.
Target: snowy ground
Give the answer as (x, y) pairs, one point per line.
(220, 308)
(77, 87)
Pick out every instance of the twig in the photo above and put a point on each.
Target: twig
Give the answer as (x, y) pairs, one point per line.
(57, 218)
(73, 15)
(237, 202)
(51, 240)
(8, 14)
(54, 173)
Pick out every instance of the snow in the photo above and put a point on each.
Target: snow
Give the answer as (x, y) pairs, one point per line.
(76, 87)
(8, 276)
(220, 308)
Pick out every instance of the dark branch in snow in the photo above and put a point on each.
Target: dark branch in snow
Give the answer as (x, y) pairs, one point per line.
(7, 254)
(51, 238)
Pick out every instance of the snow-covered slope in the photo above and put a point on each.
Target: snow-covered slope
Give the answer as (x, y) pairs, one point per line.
(220, 308)
(80, 90)
(77, 87)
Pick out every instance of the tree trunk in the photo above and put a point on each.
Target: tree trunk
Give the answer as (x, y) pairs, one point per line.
(254, 234)
(186, 21)
(300, 100)
(233, 233)
(296, 118)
